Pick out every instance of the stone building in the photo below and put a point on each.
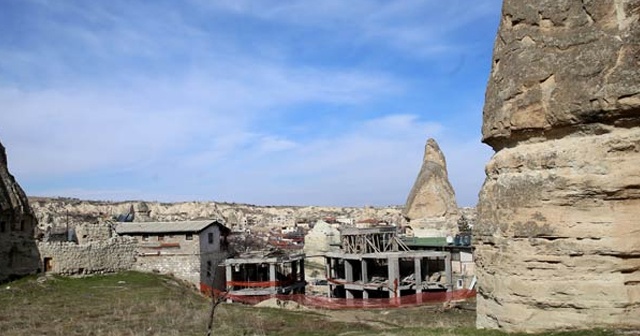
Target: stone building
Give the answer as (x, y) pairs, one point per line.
(190, 250)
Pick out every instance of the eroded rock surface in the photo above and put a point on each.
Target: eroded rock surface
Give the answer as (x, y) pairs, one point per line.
(57, 213)
(558, 236)
(18, 252)
(431, 206)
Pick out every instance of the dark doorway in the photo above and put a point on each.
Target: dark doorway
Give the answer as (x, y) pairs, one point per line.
(48, 264)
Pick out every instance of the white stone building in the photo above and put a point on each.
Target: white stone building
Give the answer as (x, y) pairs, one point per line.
(190, 250)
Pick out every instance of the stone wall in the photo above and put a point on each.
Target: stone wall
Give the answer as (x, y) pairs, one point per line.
(185, 267)
(91, 232)
(68, 258)
(558, 238)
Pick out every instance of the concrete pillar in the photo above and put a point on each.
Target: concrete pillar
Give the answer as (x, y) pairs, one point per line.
(294, 270)
(327, 272)
(229, 277)
(272, 273)
(348, 270)
(394, 274)
(417, 273)
(327, 267)
(365, 276)
(228, 284)
(302, 276)
(348, 276)
(447, 271)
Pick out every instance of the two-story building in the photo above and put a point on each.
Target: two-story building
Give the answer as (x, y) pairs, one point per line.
(190, 250)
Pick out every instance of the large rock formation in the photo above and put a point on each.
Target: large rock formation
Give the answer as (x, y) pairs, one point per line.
(18, 252)
(558, 236)
(58, 213)
(319, 239)
(431, 206)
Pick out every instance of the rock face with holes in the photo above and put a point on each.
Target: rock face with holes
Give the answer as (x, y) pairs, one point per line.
(558, 229)
(18, 252)
(431, 206)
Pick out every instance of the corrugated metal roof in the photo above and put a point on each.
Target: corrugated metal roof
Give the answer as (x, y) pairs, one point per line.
(159, 227)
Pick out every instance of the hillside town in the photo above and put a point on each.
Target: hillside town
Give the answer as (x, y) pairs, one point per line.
(553, 244)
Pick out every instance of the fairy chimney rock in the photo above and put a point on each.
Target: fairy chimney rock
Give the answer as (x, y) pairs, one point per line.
(557, 236)
(431, 206)
(18, 252)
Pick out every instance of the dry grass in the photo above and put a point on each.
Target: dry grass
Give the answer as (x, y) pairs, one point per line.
(147, 304)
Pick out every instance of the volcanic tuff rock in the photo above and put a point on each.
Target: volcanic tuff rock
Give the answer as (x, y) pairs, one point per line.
(431, 205)
(55, 212)
(18, 252)
(558, 237)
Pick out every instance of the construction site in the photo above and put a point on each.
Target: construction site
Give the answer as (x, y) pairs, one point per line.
(375, 263)
(259, 274)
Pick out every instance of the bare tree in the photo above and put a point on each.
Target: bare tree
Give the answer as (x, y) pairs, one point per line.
(216, 298)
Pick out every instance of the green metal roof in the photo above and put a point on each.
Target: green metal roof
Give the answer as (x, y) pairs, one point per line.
(425, 241)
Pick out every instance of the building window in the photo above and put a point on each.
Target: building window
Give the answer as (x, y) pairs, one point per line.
(160, 237)
(209, 269)
(210, 237)
(3, 226)
(22, 225)
(145, 237)
(188, 236)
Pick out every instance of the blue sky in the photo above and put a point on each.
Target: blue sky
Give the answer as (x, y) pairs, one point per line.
(264, 102)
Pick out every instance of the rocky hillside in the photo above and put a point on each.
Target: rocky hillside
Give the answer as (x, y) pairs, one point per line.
(57, 212)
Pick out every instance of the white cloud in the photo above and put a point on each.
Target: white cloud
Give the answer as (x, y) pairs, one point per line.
(182, 110)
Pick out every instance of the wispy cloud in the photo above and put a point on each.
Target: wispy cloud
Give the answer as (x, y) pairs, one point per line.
(268, 102)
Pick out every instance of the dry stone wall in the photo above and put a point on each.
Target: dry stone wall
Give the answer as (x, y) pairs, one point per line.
(557, 233)
(93, 232)
(185, 267)
(68, 258)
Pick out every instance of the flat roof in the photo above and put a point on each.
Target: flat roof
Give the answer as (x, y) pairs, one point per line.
(166, 227)
(371, 230)
(384, 255)
(425, 241)
(255, 258)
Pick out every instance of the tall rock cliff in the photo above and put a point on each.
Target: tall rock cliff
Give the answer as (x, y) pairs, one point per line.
(431, 206)
(18, 252)
(558, 236)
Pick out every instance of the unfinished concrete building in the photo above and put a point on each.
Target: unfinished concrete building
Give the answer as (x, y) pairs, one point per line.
(259, 274)
(375, 263)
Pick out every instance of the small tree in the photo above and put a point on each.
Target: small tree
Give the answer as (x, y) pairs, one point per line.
(216, 298)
